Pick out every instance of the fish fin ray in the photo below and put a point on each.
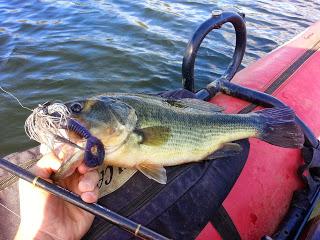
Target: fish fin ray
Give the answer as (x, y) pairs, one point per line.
(154, 136)
(280, 128)
(155, 172)
(227, 150)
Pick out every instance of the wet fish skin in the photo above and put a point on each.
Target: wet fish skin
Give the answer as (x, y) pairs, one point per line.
(149, 132)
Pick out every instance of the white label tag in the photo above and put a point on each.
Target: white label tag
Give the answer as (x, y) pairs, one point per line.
(111, 178)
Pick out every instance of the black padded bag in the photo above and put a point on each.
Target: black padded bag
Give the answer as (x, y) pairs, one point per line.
(179, 209)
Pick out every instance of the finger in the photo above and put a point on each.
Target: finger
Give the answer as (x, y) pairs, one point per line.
(88, 181)
(49, 160)
(91, 197)
(46, 165)
(84, 169)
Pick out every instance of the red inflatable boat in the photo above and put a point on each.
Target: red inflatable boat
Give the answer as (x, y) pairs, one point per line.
(262, 194)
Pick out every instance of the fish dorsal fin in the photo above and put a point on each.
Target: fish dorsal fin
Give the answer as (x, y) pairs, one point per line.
(155, 172)
(227, 150)
(154, 136)
(194, 104)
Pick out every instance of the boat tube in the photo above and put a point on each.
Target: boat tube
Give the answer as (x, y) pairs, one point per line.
(284, 184)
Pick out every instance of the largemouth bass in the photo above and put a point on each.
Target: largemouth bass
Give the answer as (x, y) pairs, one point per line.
(149, 132)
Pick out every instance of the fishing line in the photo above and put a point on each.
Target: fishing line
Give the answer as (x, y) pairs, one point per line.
(45, 127)
(9, 210)
(15, 99)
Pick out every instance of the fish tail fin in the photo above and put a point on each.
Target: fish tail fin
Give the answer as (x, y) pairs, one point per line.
(278, 127)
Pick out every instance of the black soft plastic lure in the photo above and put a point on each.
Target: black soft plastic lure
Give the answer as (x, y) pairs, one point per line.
(94, 149)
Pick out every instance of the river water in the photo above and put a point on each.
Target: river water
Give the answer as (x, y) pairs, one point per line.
(63, 49)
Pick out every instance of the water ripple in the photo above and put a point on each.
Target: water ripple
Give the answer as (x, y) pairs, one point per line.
(63, 49)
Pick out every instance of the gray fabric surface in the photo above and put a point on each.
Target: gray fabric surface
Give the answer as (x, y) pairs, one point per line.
(9, 197)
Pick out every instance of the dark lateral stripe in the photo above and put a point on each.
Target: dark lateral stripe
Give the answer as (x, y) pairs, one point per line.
(286, 74)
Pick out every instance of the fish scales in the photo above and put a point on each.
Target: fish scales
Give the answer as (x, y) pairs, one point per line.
(192, 136)
(148, 132)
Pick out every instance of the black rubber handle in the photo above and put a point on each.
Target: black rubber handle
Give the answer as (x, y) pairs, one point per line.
(215, 22)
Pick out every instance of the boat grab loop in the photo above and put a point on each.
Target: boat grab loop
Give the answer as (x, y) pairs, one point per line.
(215, 22)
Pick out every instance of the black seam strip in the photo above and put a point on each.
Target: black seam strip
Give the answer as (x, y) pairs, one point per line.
(224, 225)
(286, 74)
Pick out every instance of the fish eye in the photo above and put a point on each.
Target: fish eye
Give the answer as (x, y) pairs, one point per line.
(76, 107)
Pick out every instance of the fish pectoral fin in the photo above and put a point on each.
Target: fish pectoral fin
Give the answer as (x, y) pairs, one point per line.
(155, 172)
(154, 136)
(227, 150)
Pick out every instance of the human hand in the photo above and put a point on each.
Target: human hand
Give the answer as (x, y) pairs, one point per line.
(45, 216)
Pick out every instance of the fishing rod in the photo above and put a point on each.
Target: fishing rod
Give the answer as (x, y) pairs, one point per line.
(304, 200)
(136, 229)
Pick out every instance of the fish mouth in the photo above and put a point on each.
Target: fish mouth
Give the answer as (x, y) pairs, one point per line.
(52, 124)
(83, 148)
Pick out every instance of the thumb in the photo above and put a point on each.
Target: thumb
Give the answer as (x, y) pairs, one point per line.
(48, 164)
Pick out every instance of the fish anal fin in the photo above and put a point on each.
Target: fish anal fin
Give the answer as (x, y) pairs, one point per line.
(227, 150)
(155, 172)
(154, 136)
